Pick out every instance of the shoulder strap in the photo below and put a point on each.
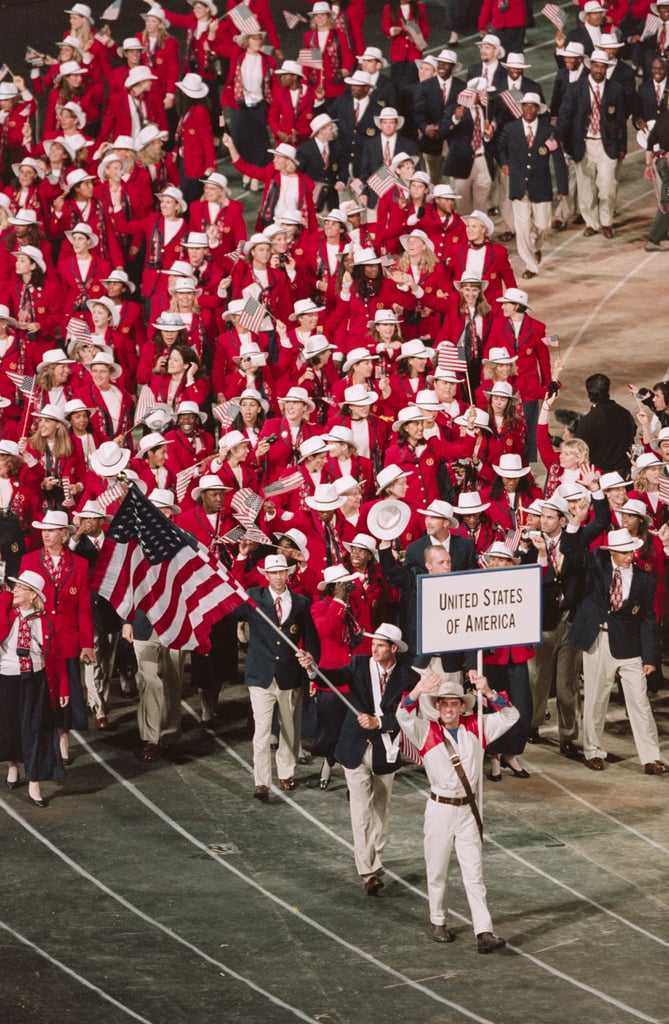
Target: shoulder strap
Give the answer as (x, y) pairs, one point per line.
(454, 758)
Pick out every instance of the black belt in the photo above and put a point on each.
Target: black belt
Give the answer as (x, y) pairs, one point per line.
(454, 801)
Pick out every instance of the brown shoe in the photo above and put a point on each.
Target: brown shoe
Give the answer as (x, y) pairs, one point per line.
(287, 784)
(102, 722)
(261, 793)
(487, 942)
(656, 768)
(589, 232)
(537, 256)
(559, 225)
(527, 274)
(440, 934)
(595, 764)
(150, 752)
(373, 885)
(506, 236)
(607, 232)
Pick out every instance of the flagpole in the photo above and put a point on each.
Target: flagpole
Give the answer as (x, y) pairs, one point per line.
(287, 640)
(479, 725)
(25, 417)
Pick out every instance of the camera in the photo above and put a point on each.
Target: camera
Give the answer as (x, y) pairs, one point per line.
(553, 388)
(283, 259)
(271, 438)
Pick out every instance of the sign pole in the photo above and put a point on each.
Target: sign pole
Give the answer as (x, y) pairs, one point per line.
(479, 723)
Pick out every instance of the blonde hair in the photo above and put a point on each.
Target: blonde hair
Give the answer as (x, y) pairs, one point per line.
(489, 369)
(575, 444)
(62, 446)
(426, 262)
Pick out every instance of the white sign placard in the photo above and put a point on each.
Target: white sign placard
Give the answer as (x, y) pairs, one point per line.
(466, 611)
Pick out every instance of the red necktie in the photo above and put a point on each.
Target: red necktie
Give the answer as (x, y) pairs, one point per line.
(477, 136)
(663, 37)
(384, 682)
(386, 154)
(356, 110)
(277, 608)
(23, 643)
(616, 592)
(326, 157)
(595, 114)
(530, 138)
(658, 95)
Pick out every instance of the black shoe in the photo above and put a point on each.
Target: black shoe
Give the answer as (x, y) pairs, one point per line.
(533, 736)
(67, 761)
(495, 778)
(38, 803)
(519, 773)
(441, 934)
(12, 785)
(567, 749)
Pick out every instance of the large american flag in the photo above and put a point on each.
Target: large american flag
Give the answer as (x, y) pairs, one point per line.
(148, 563)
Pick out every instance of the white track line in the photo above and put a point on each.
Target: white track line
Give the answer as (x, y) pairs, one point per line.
(419, 892)
(556, 881)
(147, 917)
(73, 974)
(597, 810)
(293, 911)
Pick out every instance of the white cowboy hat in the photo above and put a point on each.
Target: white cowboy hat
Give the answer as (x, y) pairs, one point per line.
(163, 498)
(312, 446)
(447, 688)
(470, 277)
(83, 229)
(109, 459)
(501, 356)
(174, 193)
(286, 150)
(481, 421)
(119, 277)
(502, 389)
(491, 40)
(391, 634)
(33, 253)
(634, 507)
(53, 356)
(30, 579)
(335, 574)
(356, 355)
(357, 394)
(275, 563)
(363, 540)
(484, 219)
(303, 306)
(614, 479)
(193, 86)
(389, 114)
(440, 509)
(298, 539)
(388, 519)
(618, 540)
(53, 520)
(92, 510)
(139, 74)
(469, 503)
(208, 482)
(52, 412)
(388, 475)
(109, 305)
(107, 359)
(410, 414)
(192, 408)
(150, 442)
(325, 498)
(511, 466)
(517, 296)
(297, 394)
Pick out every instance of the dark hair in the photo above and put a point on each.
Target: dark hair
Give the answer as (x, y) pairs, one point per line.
(569, 418)
(524, 487)
(598, 386)
(663, 386)
(189, 355)
(238, 422)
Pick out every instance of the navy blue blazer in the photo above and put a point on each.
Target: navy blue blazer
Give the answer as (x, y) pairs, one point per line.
(462, 550)
(429, 108)
(310, 162)
(268, 657)
(574, 117)
(353, 136)
(530, 171)
(353, 739)
(648, 108)
(372, 157)
(560, 85)
(460, 157)
(632, 630)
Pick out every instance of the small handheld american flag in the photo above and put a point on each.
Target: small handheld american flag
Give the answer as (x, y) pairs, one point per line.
(226, 413)
(663, 489)
(183, 481)
(382, 180)
(451, 358)
(252, 315)
(243, 19)
(246, 506)
(511, 98)
(293, 20)
(311, 58)
(26, 385)
(556, 16)
(284, 485)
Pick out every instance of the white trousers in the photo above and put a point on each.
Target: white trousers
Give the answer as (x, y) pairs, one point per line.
(596, 182)
(532, 221)
(445, 826)
(159, 681)
(474, 190)
(599, 670)
(370, 808)
(289, 703)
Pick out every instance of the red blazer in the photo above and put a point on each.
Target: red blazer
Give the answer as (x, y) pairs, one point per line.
(195, 139)
(288, 123)
(91, 396)
(229, 223)
(164, 62)
(329, 617)
(401, 47)
(69, 603)
(444, 233)
(500, 16)
(338, 61)
(54, 661)
(496, 268)
(281, 455)
(98, 219)
(78, 291)
(117, 118)
(158, 253)
(534, 361)
(270, 198)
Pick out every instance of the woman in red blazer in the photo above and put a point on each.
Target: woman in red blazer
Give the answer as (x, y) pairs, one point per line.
(403, 49)
(194, 135)
(248, 93)
(67, 599)
(338, 61)
(163, 234)
(161, 53)
(32, 686)
(283, 183)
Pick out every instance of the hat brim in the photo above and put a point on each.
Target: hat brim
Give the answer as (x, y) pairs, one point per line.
(38, 525)
(460, 284)
(451, 520)
(471, 511)
(15, 579)
(390, 531)
(401, 646)
(107, 471)
(373, 551)
(324, 506)
(308, 403)
(290, 569)
(428, 708)
(622, 548)
(512, 474)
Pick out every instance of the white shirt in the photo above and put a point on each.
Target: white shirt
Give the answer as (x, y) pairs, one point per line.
(9, 659)
(626, 577)
(392, 747)
(286, 601)
(251, 68)
(475, 260)
(360, 429)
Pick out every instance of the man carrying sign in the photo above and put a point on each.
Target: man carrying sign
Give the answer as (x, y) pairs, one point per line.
(432, 716)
